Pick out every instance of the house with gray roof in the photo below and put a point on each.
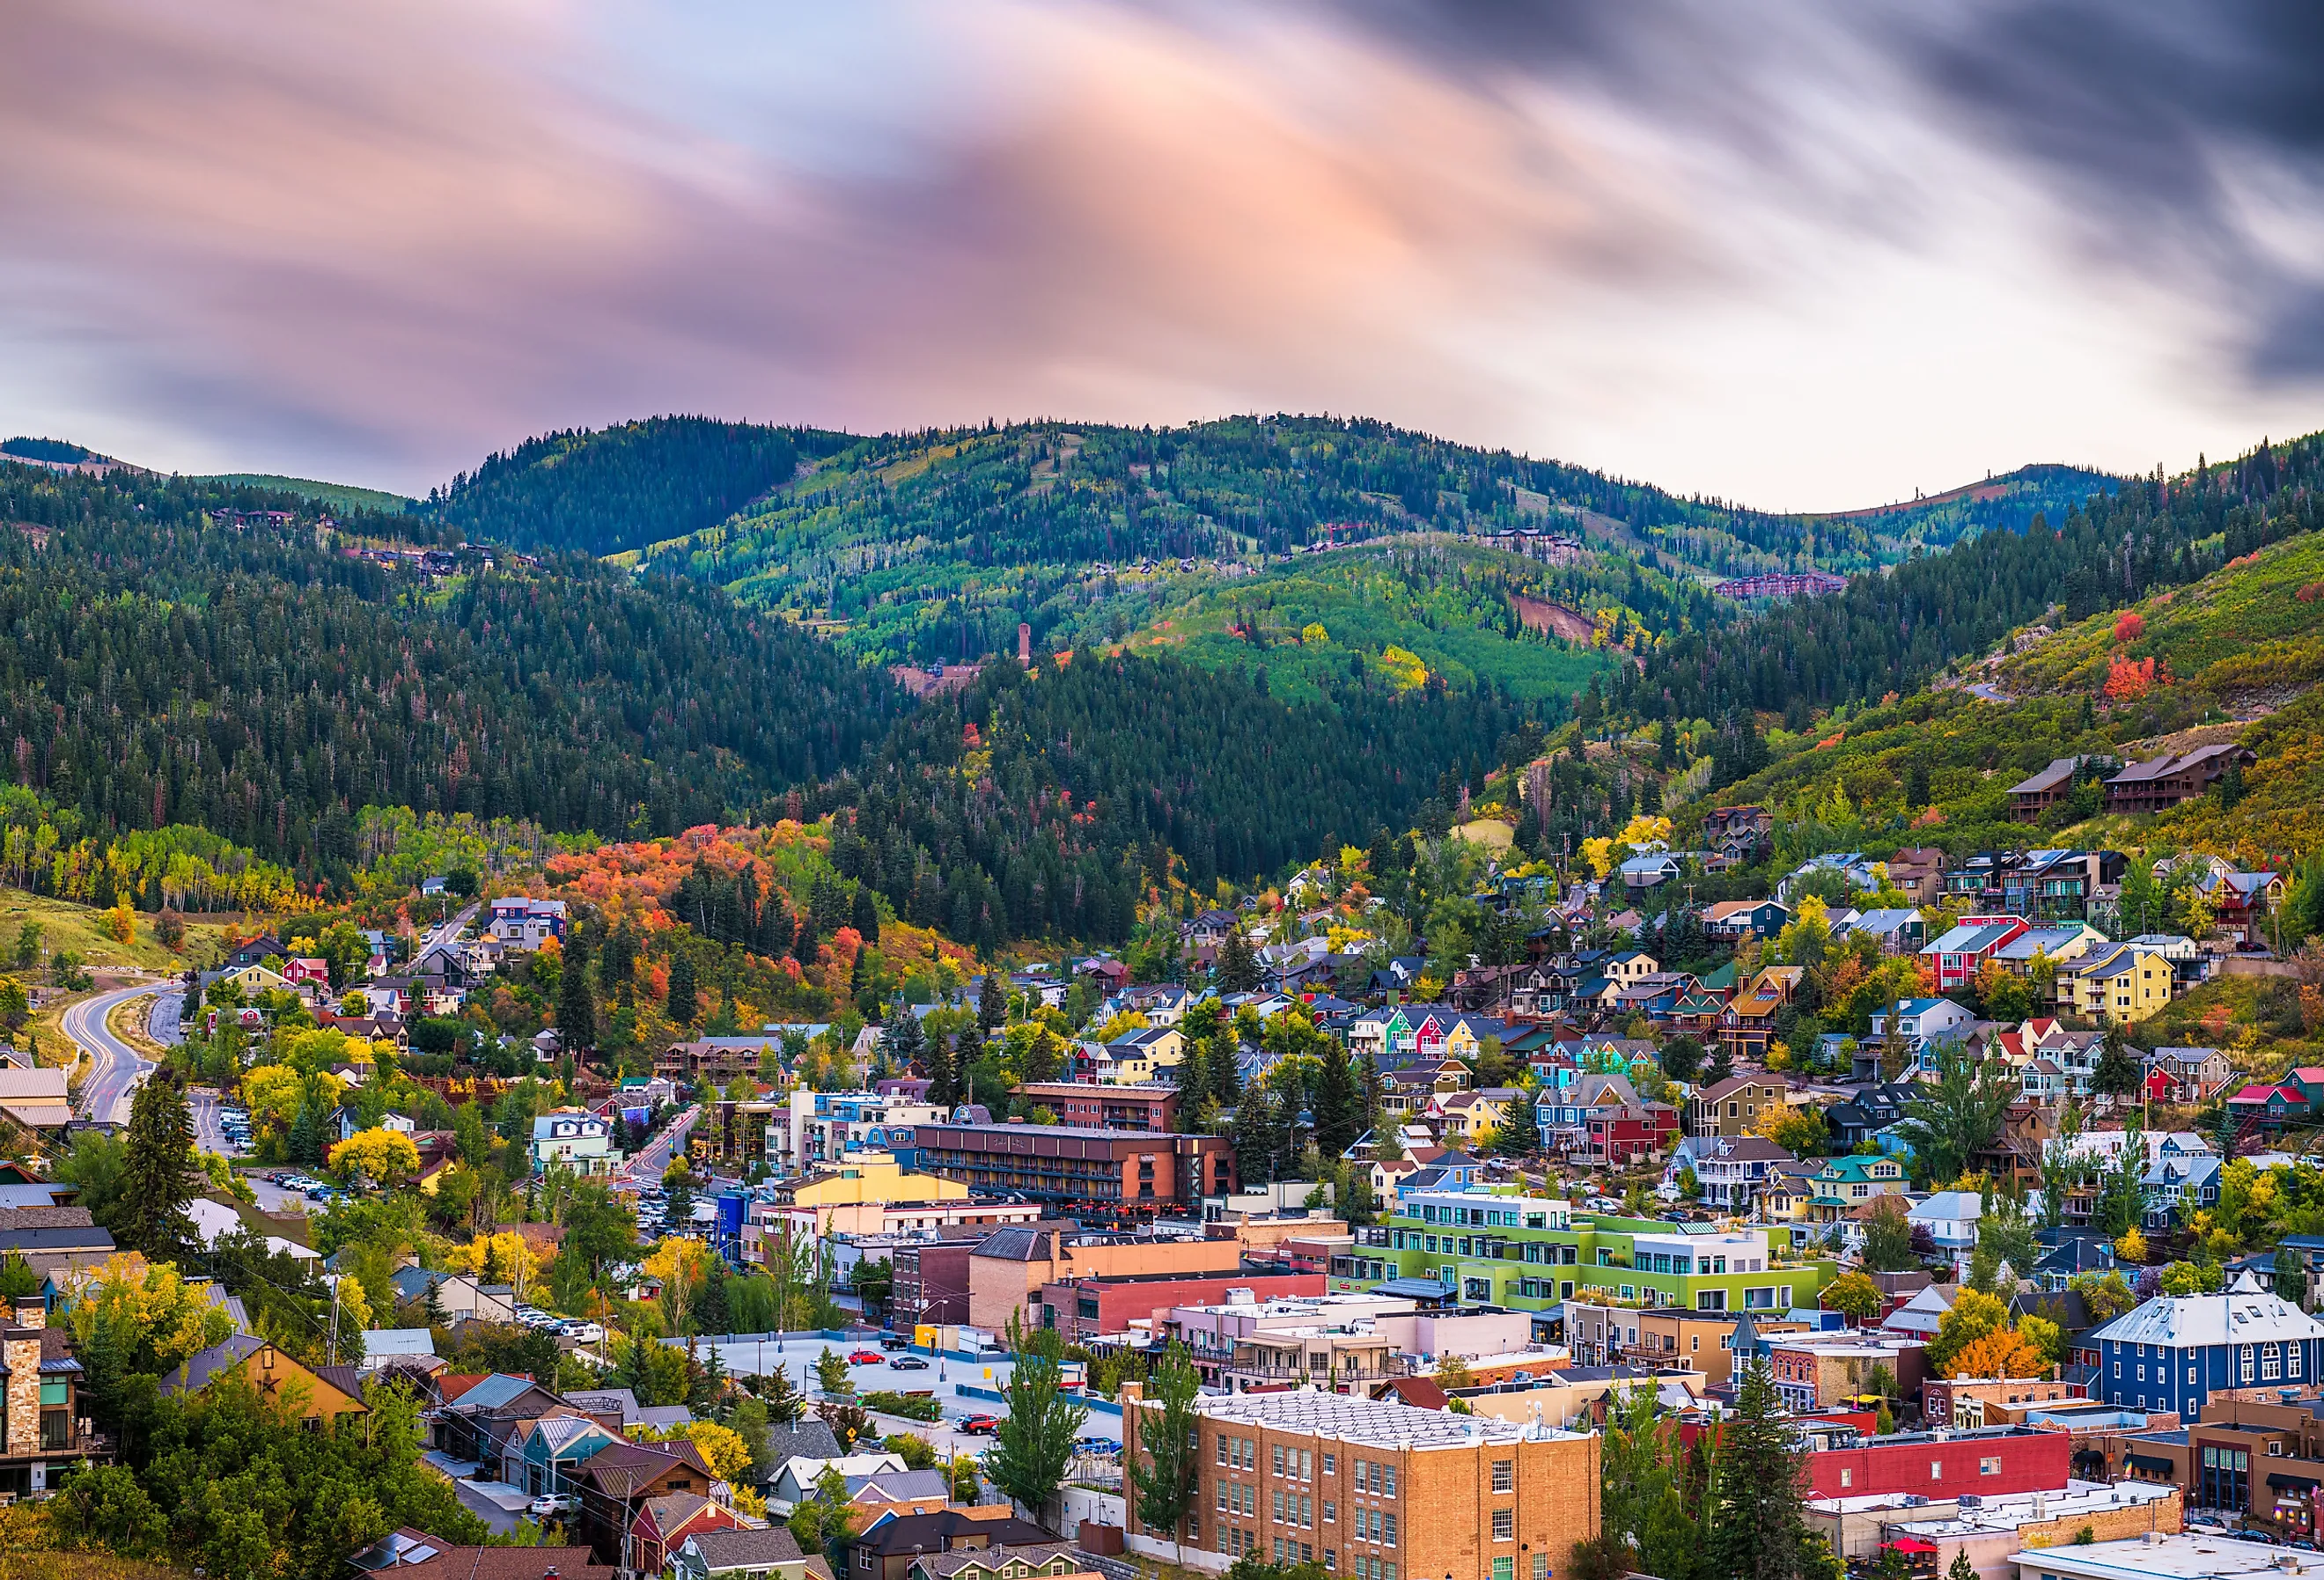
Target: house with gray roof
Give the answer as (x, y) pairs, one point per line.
(2171, 1353)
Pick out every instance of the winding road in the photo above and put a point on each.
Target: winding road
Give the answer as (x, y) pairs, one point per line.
(115, 1069)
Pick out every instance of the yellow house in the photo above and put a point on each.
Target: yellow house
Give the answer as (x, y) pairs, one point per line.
(311, 1395)
(255, 980)
(2123, 983)
(1471, 1114)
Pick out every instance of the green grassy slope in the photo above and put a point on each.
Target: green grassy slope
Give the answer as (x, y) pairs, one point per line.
(337, 495)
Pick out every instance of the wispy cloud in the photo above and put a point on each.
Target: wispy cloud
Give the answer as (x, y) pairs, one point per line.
(1809, 257)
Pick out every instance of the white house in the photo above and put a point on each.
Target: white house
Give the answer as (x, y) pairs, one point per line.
(1951, 1217)
(575, 1138)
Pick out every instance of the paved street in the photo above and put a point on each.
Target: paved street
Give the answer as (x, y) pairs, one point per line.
(115, 1068)
(210, 1135)
(161, 1023)
(652, 1161)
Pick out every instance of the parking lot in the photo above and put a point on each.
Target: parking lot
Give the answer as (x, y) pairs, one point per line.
(943, 1379)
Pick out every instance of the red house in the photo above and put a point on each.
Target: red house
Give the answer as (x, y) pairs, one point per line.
(1942, 1466)
(1626, 1134)
(663, 1524)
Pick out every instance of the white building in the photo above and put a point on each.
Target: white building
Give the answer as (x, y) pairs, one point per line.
(575, 1139)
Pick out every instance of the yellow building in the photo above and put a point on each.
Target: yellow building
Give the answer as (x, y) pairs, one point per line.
(869, 1193)
(2120, 982)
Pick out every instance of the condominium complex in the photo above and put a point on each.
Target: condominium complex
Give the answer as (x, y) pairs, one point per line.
(1533, 1251)
(1380, 1490)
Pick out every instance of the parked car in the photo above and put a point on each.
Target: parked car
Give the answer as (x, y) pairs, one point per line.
(909, 1363)
(865, 1358)
(977, 1423)
(550, 1504)
(894, 1341)
(587, 1333)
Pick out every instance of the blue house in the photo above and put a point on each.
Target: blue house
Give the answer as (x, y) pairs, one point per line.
(2170, 1352)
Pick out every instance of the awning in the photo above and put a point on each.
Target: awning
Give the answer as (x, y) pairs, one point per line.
(2306, 1483)
(1912, 1543)
(2149, 1462)
(1417, 1289)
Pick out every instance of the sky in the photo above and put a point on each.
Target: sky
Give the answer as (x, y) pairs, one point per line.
(1806, 256)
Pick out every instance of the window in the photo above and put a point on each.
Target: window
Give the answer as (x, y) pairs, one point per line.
(1541, 1566)
(1330, 1560)
(1936, 1470)
(1331, 1511)
(1306, 1464)
(2117, 1368)
(1504, 1477)
(1387, 1528)
(2244, 1362)
(1505, 1525)
(2270, 1365)
(1307, 1512)
(1279, 1505)
(1387, 1490)
(1222, 1497)
(1847, 1477)
(2290, 1362)
(1222, 1451)
(1331, 1464)
(1990, 1465)
(1278, 1459)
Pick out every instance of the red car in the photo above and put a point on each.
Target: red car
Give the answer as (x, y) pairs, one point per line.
(977, 1423)
(866, 1358)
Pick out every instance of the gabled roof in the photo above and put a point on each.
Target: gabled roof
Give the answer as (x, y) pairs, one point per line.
(2241, 1316)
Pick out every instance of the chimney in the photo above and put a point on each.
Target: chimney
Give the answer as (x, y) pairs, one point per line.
(32, 1312)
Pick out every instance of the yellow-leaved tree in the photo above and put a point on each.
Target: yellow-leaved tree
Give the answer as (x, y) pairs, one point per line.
(379, 1154)
(504, 1257)
(277, 1090)
(155, 1317)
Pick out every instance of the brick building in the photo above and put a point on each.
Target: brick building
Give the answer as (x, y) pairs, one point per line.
(1822, 1372)
(1114, 1173)
(1108, 1106)
(1380, 1490)
(1010, 1266)
(1941, 1465)
(1084, 1308)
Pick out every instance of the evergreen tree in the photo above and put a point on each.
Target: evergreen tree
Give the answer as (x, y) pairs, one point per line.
(866, 917)
(1519, 1135)
(682, 1005)
(157, 1174)
(1257, 1136)
(306, 1140)
(905, 1042)
(2292, 1277)
(1339, 1106)
(1759, 1533)
(944, 1077)
(1916, 783)
(1194, 1080)
(577, 1012)
(2116, 1072)
(993, 1002)
(1237, 966)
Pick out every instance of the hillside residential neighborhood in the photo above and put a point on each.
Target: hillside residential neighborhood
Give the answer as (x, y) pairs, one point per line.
(1889, 1146)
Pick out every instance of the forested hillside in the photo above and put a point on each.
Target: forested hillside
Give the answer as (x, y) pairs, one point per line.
(1036, 806)
(936, 545)
(1894, 632)
(602, 491)
(162, 668)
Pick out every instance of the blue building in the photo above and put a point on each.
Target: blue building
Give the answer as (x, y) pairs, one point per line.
(2170, 1352)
